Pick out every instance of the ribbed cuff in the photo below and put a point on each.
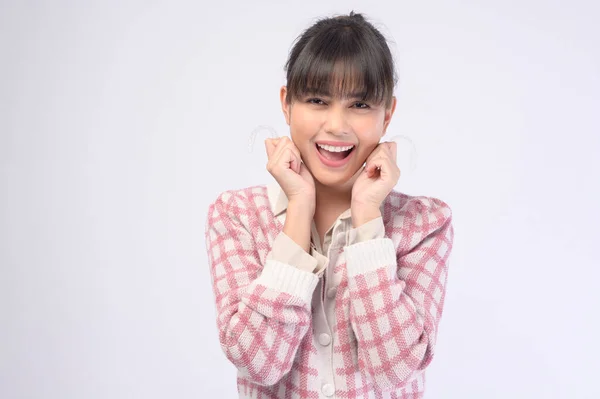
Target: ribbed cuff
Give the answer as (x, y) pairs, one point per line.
(366, 256)
(282, 277)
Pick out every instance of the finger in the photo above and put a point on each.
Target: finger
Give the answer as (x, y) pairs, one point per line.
(385, 149)
(379, 148)
(294, 161)
(288, 159)
(288, 143)
(383, 166)
(392, 148)
(279, 147)
(304, 172)
(373, 165)
(386, 167)
(295, 149)
(372, 155)
(275, 153)
(270, 145)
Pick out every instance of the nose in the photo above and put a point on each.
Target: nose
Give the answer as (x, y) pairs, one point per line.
(336, 121)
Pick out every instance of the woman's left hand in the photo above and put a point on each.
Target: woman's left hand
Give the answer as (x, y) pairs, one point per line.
(377, 179)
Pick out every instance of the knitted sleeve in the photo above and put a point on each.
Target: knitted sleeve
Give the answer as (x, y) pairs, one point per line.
(397, 294)
(263, 311)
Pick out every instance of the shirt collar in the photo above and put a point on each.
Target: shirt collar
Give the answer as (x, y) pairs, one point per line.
(279, 202)
(277, 198)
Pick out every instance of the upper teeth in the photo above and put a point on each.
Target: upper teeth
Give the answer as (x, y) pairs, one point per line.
(334, 149)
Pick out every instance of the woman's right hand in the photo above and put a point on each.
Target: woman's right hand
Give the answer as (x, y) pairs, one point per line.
(286, 166)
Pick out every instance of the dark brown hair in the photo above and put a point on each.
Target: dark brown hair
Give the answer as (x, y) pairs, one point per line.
(339, 56)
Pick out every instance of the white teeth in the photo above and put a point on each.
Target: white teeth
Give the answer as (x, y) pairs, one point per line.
(331, 148)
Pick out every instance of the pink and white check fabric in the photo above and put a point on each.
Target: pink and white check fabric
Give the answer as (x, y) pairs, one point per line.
(388, 305)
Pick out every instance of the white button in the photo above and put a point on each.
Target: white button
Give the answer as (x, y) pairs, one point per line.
(328, 390)
(324, 339)
(331, 293)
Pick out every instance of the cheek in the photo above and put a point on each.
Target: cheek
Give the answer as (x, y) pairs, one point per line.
(369, 128)
(370, 137)
(300, 135)
(300, 120)
(303, 128)
(364, 153)
(301, 138)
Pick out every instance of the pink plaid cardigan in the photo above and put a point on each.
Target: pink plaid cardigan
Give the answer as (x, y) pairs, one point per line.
(374, 332)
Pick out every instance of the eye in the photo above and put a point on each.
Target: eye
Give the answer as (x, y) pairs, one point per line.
(316, 101)
(362, 105)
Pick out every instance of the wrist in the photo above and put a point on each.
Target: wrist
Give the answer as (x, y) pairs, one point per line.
(302, 211)
(363, 216)
(297, 226)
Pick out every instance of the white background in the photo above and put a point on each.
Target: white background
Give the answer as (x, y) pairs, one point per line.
(121, 121)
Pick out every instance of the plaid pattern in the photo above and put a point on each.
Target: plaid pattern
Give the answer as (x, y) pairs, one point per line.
(387, 307)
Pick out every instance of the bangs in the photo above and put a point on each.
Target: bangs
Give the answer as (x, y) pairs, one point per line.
(342, 65)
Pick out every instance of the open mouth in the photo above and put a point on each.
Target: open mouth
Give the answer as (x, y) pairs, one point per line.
(333, 155)
(334, 158)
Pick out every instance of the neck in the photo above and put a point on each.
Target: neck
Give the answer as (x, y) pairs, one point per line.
(328, 197)
(335, 197)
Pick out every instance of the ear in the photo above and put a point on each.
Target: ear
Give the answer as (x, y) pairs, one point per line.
(285, 107)
(388, 114)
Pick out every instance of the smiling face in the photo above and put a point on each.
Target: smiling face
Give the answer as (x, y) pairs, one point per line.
(340, 81)
(341, 121)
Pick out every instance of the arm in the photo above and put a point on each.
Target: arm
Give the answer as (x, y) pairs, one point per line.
(397, 297)
(263, 312)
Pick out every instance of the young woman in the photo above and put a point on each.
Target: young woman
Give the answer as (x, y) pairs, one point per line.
(328, 283)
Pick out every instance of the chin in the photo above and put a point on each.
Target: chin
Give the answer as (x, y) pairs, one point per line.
(340, 180)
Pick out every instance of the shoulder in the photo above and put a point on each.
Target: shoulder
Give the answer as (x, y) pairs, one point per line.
(246, 208)
(240, 199)
(412, 214)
